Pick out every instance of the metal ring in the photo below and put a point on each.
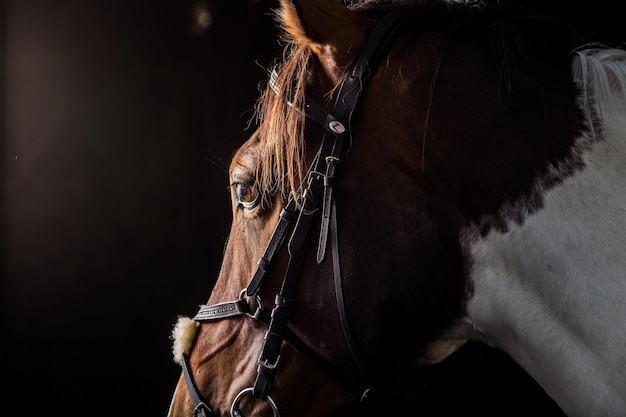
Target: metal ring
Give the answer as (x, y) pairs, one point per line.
(236, 412)
(244, 293)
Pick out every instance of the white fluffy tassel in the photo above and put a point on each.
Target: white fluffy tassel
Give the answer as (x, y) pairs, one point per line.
(183, 335)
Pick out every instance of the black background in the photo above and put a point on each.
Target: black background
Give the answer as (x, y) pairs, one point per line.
(118, 121)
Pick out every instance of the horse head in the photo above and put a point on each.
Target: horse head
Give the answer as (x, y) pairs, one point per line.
(407, 162)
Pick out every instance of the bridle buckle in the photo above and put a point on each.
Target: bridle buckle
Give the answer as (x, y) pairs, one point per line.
(266, 362)
(202, 410)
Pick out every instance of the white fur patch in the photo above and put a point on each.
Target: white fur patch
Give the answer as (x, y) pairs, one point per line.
(183, 335)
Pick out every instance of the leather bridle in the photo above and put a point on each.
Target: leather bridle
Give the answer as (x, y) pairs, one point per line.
(294, 222)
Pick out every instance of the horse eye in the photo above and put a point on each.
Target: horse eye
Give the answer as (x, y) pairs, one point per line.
(246, 194)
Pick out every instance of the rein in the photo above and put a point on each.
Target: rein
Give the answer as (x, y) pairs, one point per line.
(296, 218)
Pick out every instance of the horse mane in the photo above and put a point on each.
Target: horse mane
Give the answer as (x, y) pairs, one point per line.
(516, 37)
(602, 71)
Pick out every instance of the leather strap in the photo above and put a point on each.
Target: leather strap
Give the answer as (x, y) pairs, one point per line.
(200, 407)
(283, 226)
(341, 303)
(329, 182)
(337, 125)
(222, 310)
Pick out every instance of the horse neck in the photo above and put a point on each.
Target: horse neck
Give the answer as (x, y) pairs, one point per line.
(549, 291)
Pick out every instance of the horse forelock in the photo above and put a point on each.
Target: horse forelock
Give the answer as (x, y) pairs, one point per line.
(280, 110)
(281, 117)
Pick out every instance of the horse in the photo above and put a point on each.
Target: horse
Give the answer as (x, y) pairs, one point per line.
(422, 174)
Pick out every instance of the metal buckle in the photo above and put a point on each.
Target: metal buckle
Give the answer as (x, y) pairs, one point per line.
(236, 412)
(266, 362)
(202, 410)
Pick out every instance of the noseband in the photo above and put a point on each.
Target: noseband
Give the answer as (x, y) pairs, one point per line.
(296, 218)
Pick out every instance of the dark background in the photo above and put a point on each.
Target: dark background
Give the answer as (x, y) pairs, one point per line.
(115, 212)
(118, 120)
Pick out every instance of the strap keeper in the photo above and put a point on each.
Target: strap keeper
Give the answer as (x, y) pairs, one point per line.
(275, 339)
(264, 381)
(288, 215)
(262, 315)
(284, 302)
(263, 263)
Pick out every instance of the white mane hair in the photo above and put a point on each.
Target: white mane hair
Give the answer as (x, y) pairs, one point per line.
(601, 75)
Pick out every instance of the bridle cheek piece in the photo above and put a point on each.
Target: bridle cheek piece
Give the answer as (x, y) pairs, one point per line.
(317, 189)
